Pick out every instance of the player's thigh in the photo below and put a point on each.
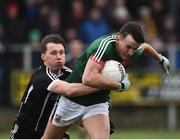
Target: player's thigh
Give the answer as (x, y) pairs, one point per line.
(96, 120)
(67, 112)
(54, 132)
(97, 126)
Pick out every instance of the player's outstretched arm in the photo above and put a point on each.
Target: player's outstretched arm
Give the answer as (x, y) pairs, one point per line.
(70, 89)
(150, 51)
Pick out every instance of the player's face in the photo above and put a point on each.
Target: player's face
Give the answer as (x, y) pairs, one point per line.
(54, 57)
(126, 47)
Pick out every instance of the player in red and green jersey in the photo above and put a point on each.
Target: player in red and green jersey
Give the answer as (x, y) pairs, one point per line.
(92, 109)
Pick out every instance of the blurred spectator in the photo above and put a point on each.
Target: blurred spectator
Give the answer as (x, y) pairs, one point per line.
(15, 28)
(147, 20)
(169, 34)
(54, 23)
(158, 11)
(34, 38)
(102, 5)
(93, 27)
(151, 33)
(76, 48)
(31, 9)
(119, 14)
(41, 20)
(70, 34)
(77, 13)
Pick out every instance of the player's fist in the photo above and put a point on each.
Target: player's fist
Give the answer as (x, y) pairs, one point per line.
(164, 63)
(124, 84)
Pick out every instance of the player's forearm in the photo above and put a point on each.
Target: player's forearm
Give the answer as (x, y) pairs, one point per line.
(78, 89)
(99, 81)
(71, 89)
(150, 51)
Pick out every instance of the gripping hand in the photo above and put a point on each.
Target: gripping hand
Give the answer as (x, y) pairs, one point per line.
(124, 84)
(165, 64)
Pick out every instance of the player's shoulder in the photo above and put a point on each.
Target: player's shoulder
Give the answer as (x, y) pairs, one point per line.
(103, 40)
(109, 36)
(44, 73)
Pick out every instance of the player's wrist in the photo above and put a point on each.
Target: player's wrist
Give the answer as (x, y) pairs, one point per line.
(161, 60)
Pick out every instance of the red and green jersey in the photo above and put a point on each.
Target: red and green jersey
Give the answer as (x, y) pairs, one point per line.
(101, 50)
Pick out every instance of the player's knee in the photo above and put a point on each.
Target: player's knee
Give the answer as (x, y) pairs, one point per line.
(101, 134)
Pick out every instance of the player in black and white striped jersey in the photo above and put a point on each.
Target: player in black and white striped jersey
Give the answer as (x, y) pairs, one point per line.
(43, 90)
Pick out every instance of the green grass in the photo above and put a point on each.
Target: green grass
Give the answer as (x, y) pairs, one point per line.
(126, 134)
(146, 134)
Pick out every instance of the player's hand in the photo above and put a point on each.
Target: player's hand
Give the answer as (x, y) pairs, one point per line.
(165, 64)
(124, 84)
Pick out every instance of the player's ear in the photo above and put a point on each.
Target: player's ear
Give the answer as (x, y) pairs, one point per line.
(118, 38)
(42, 56)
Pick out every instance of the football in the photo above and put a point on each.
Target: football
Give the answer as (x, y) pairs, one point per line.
(114, 70)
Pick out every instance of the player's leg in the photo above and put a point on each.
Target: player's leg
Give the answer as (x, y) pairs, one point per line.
(96, 121)
(66, 113)
(54, 132)
(97, 126)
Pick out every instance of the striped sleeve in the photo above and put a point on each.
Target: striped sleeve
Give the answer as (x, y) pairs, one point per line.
(102, 48)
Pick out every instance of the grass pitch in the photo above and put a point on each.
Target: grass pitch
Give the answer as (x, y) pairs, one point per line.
(124, 134)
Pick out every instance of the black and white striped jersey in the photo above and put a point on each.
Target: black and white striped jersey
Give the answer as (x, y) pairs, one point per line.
(37, 102)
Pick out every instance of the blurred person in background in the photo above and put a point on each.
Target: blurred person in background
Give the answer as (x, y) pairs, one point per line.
(146, 19)
(34, 39)
(170, 36)
(77, 13)
(54, 23)
(70, 34)
(76, 48)
(170, 30)
(43, 89)
(92, 110)
(14, 24)
(158, 13)
(119, 14)
(149, 24)
(41, 20)
(93, 27)
(102, 5)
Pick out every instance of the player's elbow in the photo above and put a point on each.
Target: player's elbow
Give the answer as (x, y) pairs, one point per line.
(87, 80)
(70, 93)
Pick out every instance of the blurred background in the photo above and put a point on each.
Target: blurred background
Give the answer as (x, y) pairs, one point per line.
(152, 102)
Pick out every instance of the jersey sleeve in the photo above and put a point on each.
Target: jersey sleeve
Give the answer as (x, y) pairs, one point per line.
(45, 79)
(99, 54)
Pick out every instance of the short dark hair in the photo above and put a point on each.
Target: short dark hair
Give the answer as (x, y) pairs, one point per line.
(51, 38)
(133, 29)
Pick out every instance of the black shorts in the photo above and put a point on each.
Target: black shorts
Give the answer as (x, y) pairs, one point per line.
(21, 132)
